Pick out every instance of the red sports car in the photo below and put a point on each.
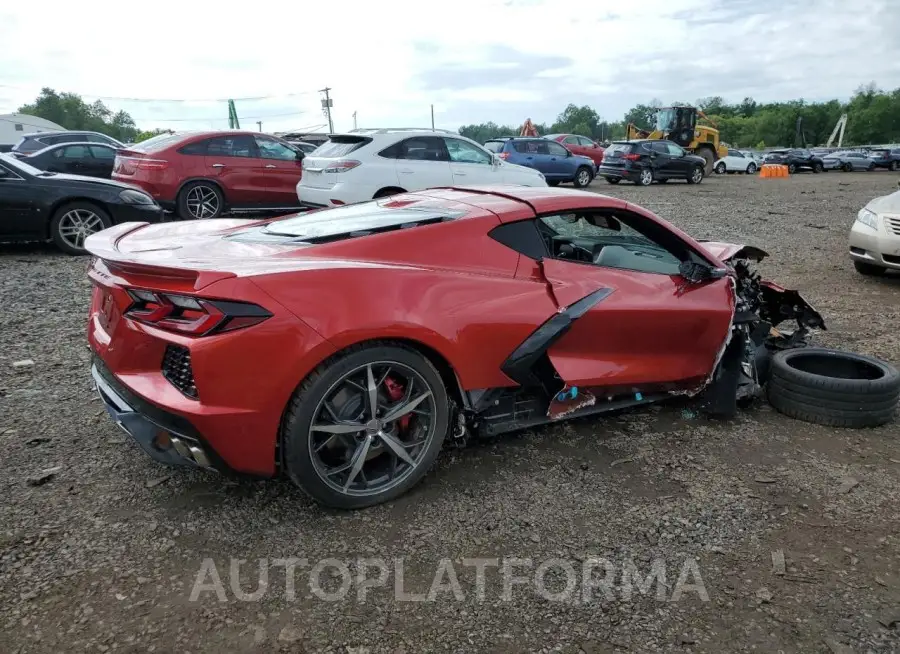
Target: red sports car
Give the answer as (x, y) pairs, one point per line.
(344, 347)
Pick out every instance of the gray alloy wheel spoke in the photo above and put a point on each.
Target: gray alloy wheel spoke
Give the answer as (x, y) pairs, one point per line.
(340, 428)
(406, 408)
(359, 459)
(397, 448)
(372, 392)
(76, 225)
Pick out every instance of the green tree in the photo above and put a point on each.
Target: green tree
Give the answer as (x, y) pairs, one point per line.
(70, 111)
(577, 120)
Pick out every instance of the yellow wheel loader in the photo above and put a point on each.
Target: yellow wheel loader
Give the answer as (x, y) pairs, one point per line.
(680, 125)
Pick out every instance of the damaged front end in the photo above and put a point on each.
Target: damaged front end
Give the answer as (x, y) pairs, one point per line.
(762, 309)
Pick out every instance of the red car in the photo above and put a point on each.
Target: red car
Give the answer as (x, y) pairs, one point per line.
(204, 174)
(344, 347)
(580, 145)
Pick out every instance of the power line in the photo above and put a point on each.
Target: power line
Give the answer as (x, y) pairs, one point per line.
(123, 99)
(188, 120)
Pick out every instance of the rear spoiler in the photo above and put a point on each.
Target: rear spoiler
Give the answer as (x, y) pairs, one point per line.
(136, 272)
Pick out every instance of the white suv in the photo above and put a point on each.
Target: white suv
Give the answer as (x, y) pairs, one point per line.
(372, 163)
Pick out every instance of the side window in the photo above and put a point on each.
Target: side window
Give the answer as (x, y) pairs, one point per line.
(659, 147)
(232, 146)
(76, 152)
(532, 147)
(674, 150)
(618, 240)
(269, 149)
(463, 152)
(586, 142)
(98, 138)
(421, 148)
(102, 153)
(735, 153)
(556, 149)
(571, 140)
(198, 148)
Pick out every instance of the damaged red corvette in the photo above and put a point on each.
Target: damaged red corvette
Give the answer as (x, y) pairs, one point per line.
(344, 347)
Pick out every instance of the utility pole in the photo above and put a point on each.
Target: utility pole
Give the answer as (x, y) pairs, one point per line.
(259, 122)
(432, 117)
(327, 104)
(354, 120)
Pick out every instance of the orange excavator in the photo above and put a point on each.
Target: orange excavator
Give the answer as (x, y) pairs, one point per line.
(528, 128)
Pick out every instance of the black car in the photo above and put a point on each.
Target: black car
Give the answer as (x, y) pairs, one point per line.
(885, 158)
(91, 159)
(796, 159)
(35, 141)
(645, 161)
(36, 205)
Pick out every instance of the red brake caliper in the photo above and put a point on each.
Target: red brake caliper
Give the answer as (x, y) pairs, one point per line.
(395, 391)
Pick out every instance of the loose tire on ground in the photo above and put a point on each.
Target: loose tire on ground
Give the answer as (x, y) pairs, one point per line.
(303, 408)
(833, 388)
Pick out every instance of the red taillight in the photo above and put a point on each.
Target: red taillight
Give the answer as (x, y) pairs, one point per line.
(631, 157)
(504, 155)
(341, 165)
(193, 316)
(128, 165)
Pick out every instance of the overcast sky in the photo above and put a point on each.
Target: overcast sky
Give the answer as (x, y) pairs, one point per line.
(475, 60)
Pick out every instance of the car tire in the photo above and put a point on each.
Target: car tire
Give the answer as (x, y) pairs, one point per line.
(696, 175)
(300, 453)
(646, 177)
(751, 169)
(612, 180)
(720, 169)
(848, 167)
(792, 168)
(75, 221)
(895, 166)
(869, 269)
(833, 388)
(870, 168)
(583, 177)
(200, 200)
(818, 167)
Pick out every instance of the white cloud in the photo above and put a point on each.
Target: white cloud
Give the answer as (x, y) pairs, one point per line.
(476, 60)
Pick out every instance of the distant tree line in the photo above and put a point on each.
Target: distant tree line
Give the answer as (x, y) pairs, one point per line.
(70, 111)
(873, 117)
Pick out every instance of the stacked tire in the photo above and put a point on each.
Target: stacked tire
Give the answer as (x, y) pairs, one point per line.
(833, 388)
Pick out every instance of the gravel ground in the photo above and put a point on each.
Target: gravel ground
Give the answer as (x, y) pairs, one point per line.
(105, 554)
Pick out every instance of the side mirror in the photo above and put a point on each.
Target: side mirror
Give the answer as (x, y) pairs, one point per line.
(694, 273)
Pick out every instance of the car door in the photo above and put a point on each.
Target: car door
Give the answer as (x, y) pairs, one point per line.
(423, 162)
(470, 164)
(283, 167)
(591, 149)
(636, 325)
(103, 159)
(561, 162)
(573, 145)
(75, 160)
(678, 161)
(17, 206)
(233, 161)
(534, 153)
(660, 160)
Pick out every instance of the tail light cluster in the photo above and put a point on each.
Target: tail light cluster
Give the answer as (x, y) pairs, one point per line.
(192, 316)
(326, 166)
(631, 156)
(504, 155)
(130, 165)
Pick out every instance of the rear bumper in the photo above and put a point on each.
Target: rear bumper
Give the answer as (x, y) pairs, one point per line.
(164, 436)
(631, 174)
(339, 194)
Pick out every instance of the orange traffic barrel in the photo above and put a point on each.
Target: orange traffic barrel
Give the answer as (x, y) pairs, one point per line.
(773, 170)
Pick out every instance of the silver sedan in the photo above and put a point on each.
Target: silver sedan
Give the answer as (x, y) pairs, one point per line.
(848, 161)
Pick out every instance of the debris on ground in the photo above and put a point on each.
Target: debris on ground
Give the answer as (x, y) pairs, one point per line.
(43, 476)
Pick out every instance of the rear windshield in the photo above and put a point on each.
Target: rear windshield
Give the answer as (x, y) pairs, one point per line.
(341, 146)
(620, 147)
(879, 153)
(157, 143)
(494, 146)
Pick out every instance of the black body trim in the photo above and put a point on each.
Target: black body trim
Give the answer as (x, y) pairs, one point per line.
(522, 365)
